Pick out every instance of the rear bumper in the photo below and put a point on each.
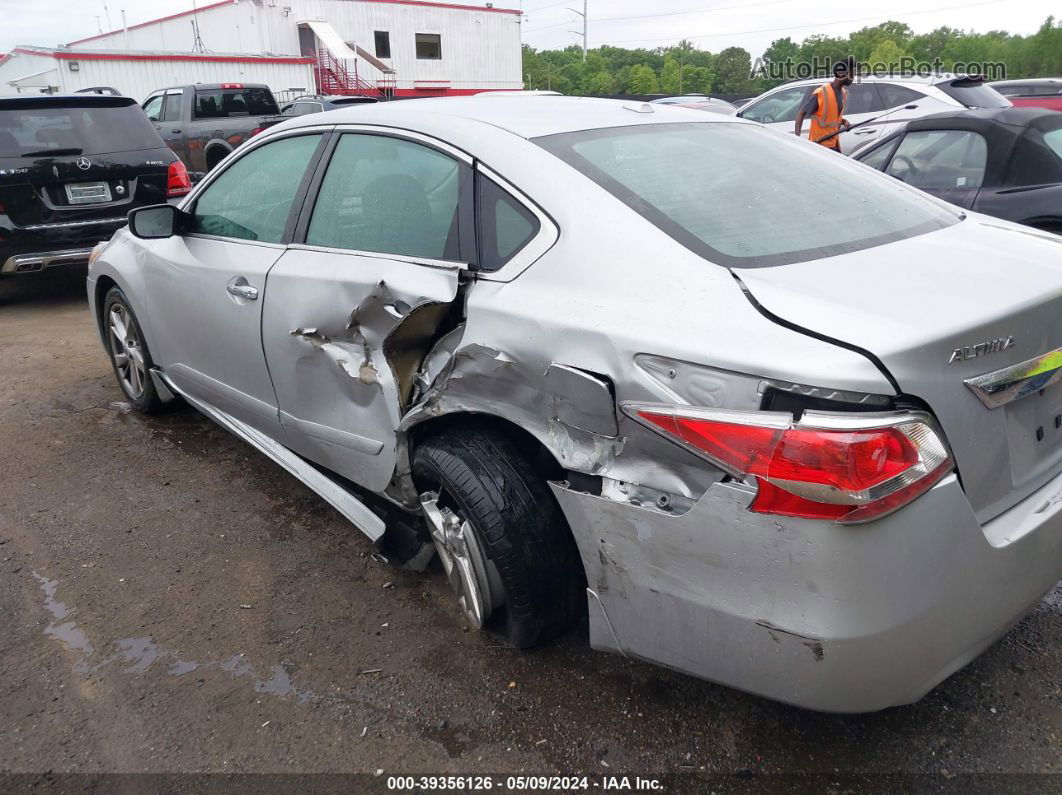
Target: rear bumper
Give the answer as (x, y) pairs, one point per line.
(831, 618)
(31, 263)
(25, 249)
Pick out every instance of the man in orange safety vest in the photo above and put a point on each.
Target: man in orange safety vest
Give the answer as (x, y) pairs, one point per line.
(825, 106)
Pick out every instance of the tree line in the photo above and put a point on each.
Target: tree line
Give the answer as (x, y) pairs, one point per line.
(683, 68)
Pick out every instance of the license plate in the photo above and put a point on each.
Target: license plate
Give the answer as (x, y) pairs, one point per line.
(88, 192)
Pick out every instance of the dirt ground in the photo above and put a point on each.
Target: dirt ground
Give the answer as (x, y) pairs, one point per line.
(170, 601)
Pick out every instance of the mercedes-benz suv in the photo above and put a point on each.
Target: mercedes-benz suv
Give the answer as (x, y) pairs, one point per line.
(71, 168)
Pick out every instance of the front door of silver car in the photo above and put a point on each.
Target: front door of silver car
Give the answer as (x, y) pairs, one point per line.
(381, 241)
(206, 286)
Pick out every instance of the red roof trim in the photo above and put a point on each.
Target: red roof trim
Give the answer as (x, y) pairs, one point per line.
(426, 3)
(67, 55)
(154, 21)
(458, 6)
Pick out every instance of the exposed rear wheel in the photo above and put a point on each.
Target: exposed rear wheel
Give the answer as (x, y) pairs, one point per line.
(129, 354)
(500, 535)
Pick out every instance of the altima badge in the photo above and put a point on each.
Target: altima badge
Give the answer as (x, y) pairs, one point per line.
(84, 163)
(981, 349)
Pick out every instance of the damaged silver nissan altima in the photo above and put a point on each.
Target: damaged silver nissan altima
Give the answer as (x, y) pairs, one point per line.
(769, 417)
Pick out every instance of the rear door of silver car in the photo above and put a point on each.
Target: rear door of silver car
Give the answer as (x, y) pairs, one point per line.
(365, 288)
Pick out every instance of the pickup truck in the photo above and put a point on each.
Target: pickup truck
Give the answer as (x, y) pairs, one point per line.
(204, 122)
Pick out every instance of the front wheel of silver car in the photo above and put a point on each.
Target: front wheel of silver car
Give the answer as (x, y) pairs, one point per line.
(129, 353)
(500, 535)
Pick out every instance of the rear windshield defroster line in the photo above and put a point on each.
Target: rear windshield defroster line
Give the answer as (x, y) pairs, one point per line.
(743, 196)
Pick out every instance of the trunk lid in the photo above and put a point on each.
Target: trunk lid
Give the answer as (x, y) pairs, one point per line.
(938, 309)
(35, 190)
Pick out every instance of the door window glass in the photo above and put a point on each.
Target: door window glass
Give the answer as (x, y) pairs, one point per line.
(505, 225)
(780, 106)
(940, 159)
(153, 108)
(171, 109)
(877, 158)
(252, 198)
(388, 195)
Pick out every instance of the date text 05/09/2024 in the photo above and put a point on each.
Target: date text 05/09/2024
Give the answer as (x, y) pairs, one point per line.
(485, 783)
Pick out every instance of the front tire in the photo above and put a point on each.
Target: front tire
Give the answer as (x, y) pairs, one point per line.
(478, 489)
(129, 353)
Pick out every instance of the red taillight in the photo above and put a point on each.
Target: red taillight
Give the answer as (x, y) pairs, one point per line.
(255, 131)
(847, 467)
(232, 85)
(178, 183)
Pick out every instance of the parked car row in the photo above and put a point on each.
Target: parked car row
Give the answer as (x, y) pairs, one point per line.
(875, 97)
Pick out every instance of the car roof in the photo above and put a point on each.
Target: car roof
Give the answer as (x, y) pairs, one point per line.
(1024, 80)
(528, 117)
(984, 119)
(212, 86)
(65, 101)
(924, 80)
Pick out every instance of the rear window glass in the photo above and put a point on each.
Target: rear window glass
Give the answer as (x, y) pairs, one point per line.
(29, 131)
(1038, 158)
(974, 94)
(746, 197)
(220, 103)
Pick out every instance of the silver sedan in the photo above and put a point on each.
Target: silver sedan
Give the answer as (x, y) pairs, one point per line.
(765, 415)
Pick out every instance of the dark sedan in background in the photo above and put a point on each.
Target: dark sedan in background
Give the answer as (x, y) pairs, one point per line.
(71, 168)
(1005, 162)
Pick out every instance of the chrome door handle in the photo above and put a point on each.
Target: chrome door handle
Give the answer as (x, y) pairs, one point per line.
(865, 131)
(241, 289)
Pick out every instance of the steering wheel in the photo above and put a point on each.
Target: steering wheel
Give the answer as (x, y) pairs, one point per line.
(766, 119)
(911, 169)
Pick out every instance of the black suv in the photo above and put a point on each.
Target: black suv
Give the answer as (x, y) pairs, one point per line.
(71, 167)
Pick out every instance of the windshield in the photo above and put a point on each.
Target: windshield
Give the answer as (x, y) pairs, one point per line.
(29, 131)
(974, 93)
(744, 196)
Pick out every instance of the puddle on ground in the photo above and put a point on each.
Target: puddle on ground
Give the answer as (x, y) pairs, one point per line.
(137, 655)
(66, 632)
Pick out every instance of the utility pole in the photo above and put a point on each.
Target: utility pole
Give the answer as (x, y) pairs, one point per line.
(577, 33)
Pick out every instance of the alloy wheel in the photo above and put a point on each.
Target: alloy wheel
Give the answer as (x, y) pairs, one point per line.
(472, 574)
(127, 351)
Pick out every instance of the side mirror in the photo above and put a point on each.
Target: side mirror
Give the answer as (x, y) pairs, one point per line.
(155, 222)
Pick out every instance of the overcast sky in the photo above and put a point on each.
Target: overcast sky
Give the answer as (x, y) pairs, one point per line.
(710, 24)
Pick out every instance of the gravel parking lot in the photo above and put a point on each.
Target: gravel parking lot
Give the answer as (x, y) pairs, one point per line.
(171, 601)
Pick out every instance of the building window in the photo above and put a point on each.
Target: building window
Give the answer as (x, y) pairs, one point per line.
(383, 43)
(429, 47)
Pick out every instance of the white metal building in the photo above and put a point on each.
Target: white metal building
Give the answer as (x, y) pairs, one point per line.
(392, 47)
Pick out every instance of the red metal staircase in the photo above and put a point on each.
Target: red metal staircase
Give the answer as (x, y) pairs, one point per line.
(335, 78)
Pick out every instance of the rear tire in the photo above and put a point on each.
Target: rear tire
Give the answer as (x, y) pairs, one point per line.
(129, 353)
(520, 528)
